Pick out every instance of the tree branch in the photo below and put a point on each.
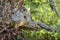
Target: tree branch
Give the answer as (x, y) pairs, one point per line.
(52, 5)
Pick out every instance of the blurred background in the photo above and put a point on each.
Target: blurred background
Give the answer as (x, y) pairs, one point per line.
(41, 11)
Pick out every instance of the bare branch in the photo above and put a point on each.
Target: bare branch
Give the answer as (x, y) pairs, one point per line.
(52, 5)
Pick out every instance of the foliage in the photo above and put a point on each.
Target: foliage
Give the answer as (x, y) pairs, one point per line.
(41, 11)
